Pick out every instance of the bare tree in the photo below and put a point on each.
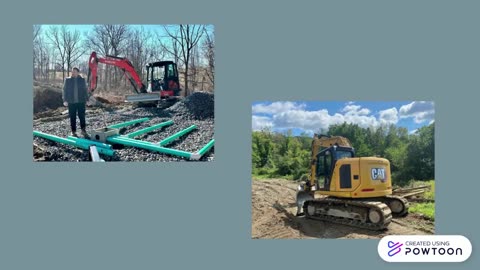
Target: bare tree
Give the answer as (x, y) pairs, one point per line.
(209, 54)
(55, 35)
(109, 40)
(55, 66)
(117, 36)
(36, 45)
(170, 47)
(194, 63)
(72, 47)
(187, 37)
(43, 59)
(156, 51)
(98, 41)
(138, 49)
(41, 55)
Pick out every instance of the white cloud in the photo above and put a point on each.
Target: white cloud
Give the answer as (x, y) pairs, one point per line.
(313, 121)
(261, 122)
(288, 115)
(388, 116)
(355, 110)
(420, 111)
(277, 107)
(307, 120)
(412, 131)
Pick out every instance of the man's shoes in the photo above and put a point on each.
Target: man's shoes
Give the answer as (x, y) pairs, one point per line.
(85, 134)
(73, 134)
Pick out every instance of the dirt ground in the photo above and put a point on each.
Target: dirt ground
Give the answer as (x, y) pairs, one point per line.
(274, 209)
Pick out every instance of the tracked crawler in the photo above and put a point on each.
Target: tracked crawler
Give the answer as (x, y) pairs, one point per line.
(363, 214)
(355, 191)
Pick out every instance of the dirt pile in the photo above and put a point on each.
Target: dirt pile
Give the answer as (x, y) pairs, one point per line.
(46, 97)
(199, 105)
(274, 209)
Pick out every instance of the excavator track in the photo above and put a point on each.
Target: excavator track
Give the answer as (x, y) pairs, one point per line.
(398, 205)
(356, 213)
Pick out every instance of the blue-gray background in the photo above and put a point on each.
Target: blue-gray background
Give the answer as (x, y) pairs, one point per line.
(197, 215)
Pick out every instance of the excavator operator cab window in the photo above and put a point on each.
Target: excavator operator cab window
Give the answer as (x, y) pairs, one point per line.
(157, 77)
(341, 154)
(170, 71)
(157, 73)
(324, 166)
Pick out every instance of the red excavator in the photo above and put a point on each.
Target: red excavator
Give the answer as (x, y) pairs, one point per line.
(162, 78)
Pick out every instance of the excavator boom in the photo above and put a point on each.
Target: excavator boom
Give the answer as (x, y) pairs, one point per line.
(122, 63)
(324, 141)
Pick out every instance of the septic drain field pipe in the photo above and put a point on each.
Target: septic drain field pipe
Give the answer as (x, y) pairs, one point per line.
(206, 147)
(128, 123)
(148, 129)
(176, 135)
(127, 140)
(155, 147)
(89, 142)
(148, 146)
(82, 145)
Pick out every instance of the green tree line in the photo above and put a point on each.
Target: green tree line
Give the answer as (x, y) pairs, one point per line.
(411, 156)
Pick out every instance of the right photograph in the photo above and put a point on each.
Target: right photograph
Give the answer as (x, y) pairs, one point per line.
(342, 169)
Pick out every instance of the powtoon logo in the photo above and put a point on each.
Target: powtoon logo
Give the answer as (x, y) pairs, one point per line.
(395, 248)
(424, 248)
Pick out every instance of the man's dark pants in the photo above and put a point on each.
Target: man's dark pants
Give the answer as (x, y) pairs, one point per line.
(73, 109)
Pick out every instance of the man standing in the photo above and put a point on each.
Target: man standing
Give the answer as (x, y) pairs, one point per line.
(75, 97)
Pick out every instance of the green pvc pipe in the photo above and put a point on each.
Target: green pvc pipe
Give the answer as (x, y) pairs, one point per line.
(101, 150)
(55, 138)
(176, 135)
(90, 142)
(123, 138)
(128, 123)
(206, 147)
(148, 146)
(148, 129)
(81, 145)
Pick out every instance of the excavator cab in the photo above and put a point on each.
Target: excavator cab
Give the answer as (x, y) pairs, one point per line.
(326, 160)
(163, 77)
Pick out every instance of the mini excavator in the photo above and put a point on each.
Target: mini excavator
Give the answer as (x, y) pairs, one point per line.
(162, 78)
(346, 189)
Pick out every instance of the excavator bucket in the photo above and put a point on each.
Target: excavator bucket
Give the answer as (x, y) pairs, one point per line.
(302, 197)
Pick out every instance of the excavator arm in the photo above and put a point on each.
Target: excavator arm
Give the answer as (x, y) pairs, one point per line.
(123, 63)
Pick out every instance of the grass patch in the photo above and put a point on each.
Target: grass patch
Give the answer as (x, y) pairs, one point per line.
(429, 194)
(426, 209)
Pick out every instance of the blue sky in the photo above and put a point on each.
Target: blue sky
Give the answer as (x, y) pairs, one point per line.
(313, 117)
(83, 28)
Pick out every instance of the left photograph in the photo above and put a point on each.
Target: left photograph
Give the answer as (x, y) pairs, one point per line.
(105, 93)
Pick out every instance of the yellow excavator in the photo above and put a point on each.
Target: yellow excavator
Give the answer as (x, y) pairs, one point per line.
(346, 189)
